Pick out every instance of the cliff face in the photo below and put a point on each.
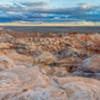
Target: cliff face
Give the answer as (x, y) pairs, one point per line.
(50, 66)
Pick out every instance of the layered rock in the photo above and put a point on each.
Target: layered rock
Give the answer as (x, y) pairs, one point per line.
(70, 88)
(44, 67)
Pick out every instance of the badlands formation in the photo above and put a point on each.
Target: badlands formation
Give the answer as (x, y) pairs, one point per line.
(49, 66)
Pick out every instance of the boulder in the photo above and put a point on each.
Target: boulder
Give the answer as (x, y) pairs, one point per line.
(91, 64)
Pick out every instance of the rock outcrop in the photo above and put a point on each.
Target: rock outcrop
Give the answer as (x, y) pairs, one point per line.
(6, 63)
(91, 64)
(90, 67)
(69, 88)
(50, 66)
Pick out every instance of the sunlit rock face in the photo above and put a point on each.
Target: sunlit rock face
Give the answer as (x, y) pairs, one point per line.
(69, 88)
(46, 58)
(6, 63)
(49, 66)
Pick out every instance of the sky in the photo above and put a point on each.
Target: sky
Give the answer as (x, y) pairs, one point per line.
(49, 11)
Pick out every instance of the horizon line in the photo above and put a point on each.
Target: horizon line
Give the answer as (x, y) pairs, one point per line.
(51, 24)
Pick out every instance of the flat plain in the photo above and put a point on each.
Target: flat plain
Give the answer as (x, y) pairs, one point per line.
(53, 29)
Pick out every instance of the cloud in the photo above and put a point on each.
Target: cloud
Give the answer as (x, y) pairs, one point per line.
(39, 12)
(85, 5)
(34, 4)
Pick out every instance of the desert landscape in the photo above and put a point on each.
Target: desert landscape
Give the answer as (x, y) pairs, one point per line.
(50, 66)
(49, 50)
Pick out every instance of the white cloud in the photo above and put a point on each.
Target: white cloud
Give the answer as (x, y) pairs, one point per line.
(85, 5)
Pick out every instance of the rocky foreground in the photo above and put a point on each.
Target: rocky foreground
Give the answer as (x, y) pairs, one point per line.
(49, 66)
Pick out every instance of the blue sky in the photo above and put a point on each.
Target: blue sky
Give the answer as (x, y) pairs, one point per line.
(47, 11)
(58, 3)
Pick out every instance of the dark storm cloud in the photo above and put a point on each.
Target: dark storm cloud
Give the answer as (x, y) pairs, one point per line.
(39, 11)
